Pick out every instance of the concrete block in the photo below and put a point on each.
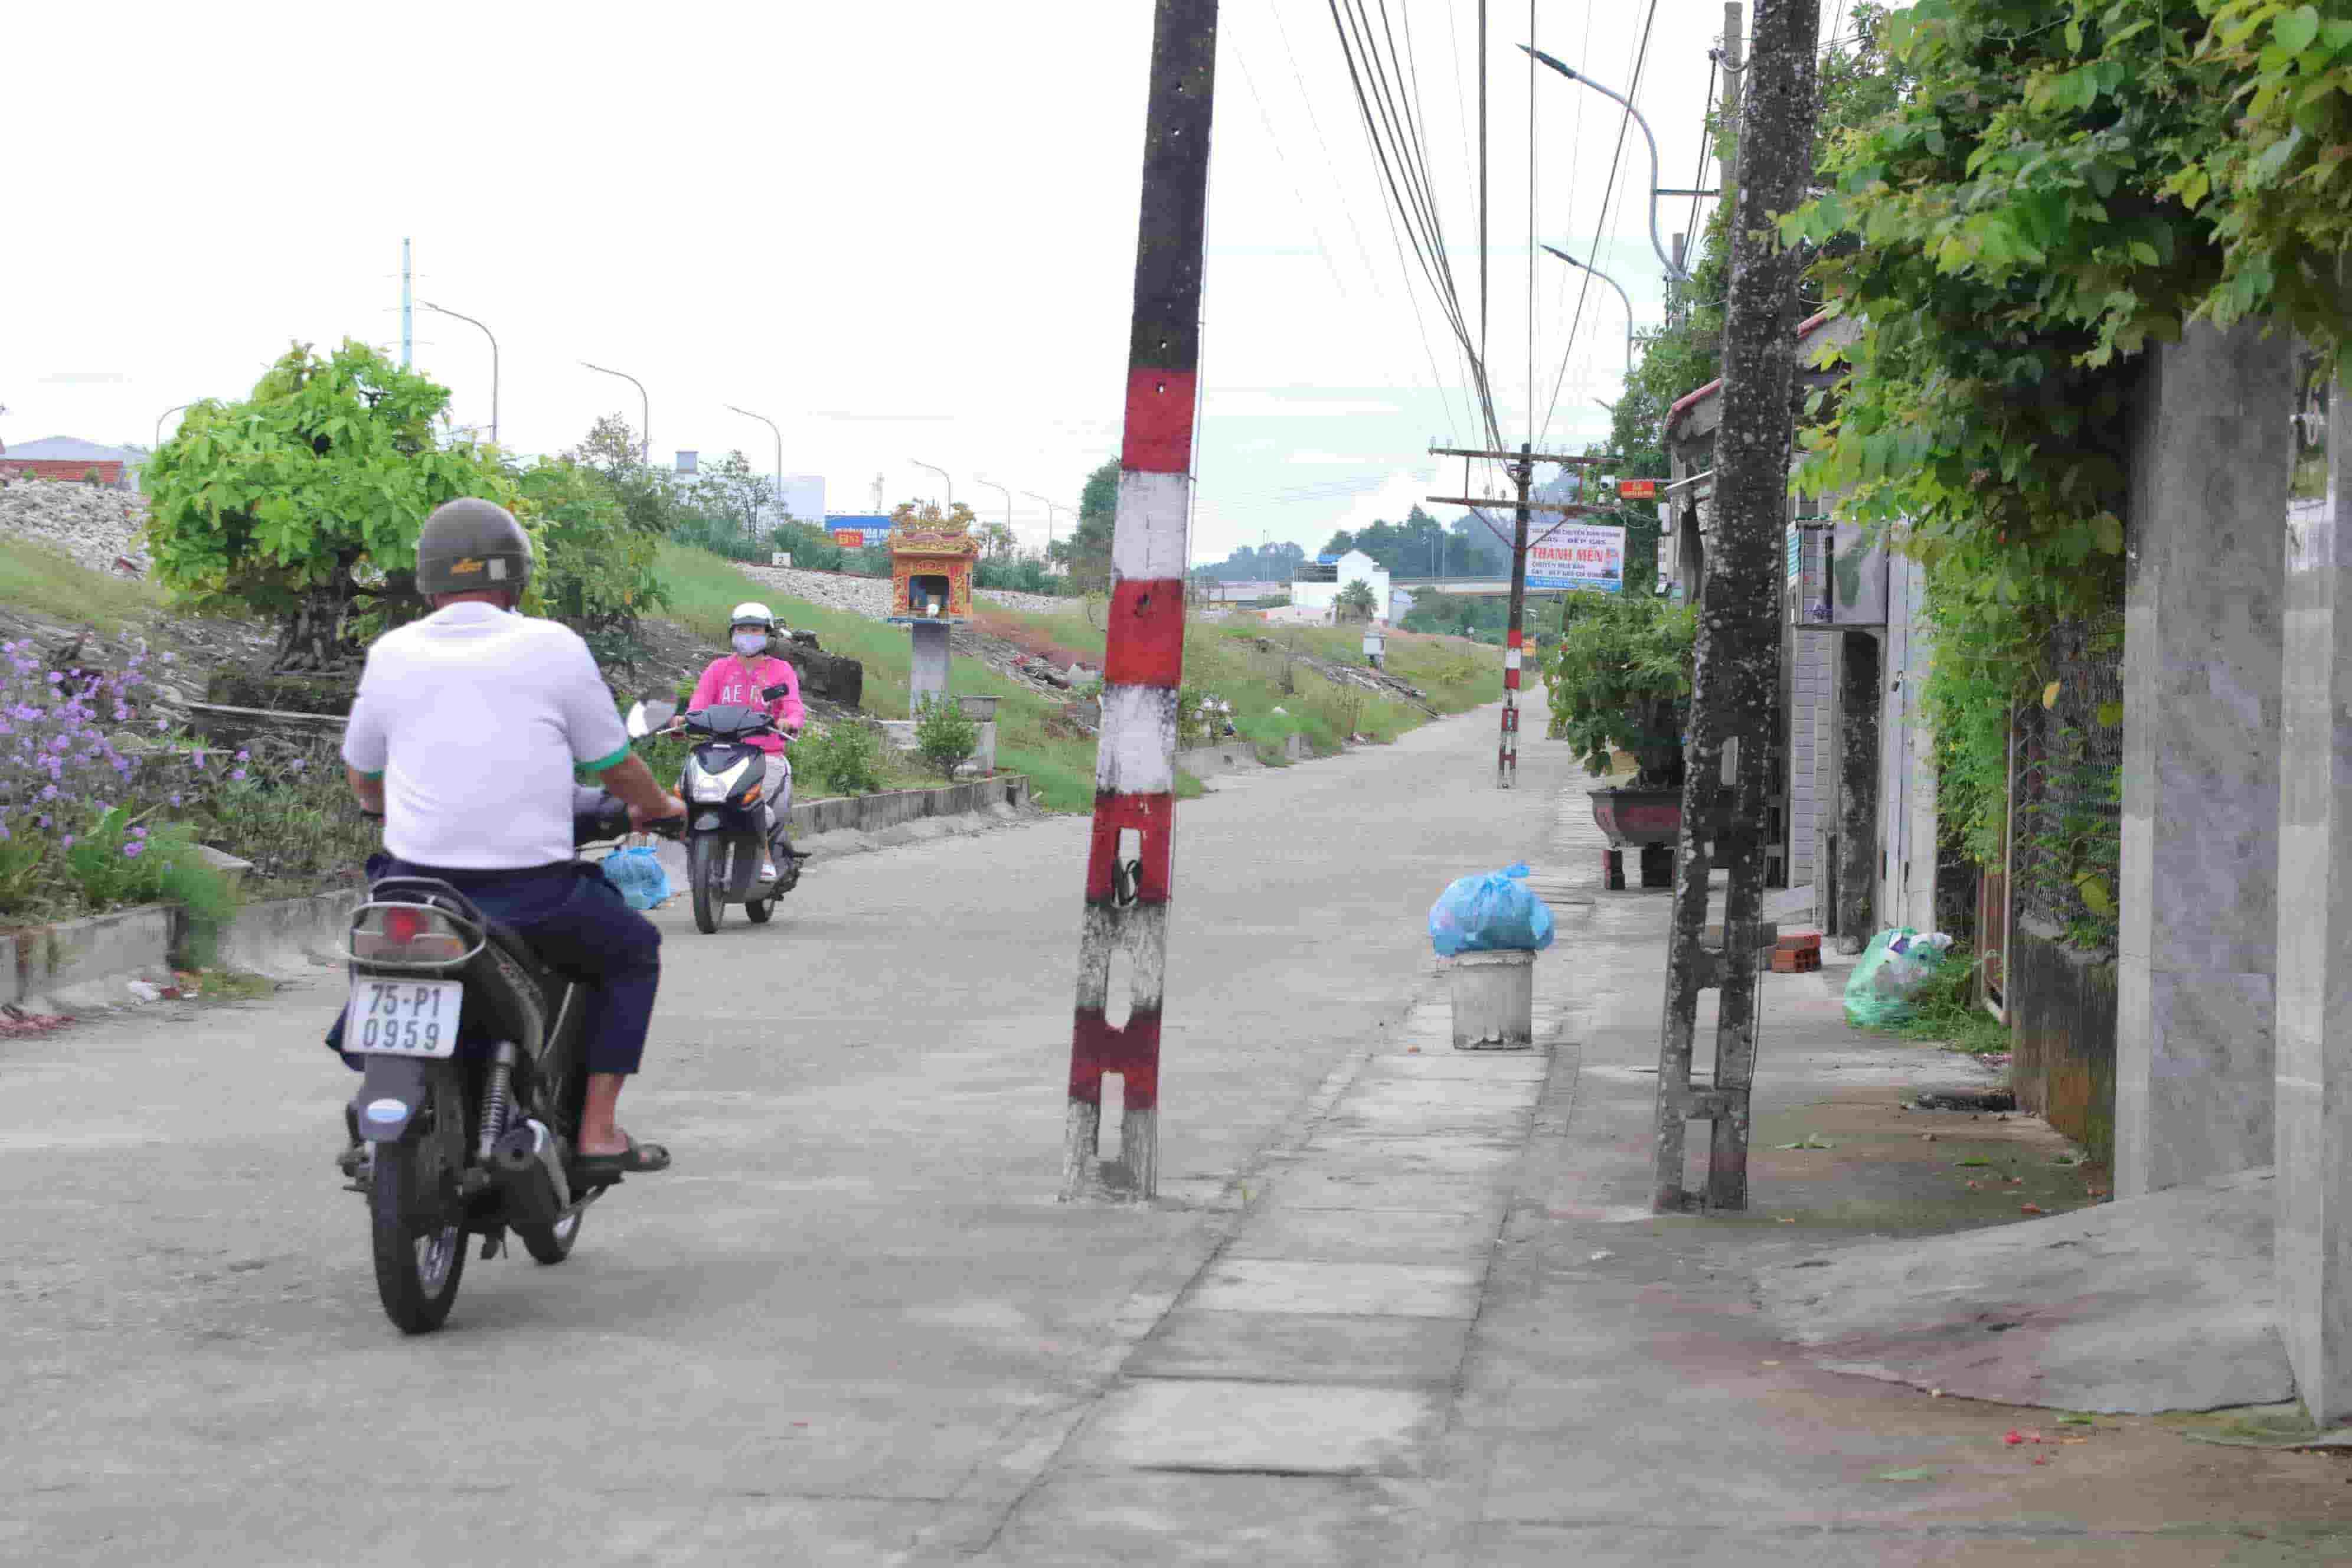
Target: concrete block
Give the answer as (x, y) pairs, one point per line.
(2160, 1302)
(2313, 1072)
(90, 962)
(2195, 1053)
(1289, 1428)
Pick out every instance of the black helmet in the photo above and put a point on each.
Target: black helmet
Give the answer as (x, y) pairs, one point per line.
(471, 543)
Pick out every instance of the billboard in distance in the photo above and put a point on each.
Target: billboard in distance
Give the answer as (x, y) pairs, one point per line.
(1583, 558)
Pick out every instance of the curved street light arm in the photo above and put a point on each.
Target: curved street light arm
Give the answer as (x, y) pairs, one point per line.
(1673, 271)
(943, 478)
(779, 434)
(461, 315)
(1580, 267)
(645, 433)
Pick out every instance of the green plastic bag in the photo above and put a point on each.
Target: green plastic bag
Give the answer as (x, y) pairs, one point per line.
(1893, 967)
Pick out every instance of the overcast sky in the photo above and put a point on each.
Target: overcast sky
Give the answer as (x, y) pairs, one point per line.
(902, 229)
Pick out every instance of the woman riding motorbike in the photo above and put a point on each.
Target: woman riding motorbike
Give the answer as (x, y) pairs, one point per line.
(742, 678)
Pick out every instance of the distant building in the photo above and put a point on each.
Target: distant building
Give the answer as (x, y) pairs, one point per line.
(803, 497)
(1317, 587)
(69, 458)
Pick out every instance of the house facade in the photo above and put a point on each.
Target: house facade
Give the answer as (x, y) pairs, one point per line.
(70, 458)
(1316, 586)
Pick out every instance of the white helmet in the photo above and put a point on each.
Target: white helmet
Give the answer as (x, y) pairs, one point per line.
(751, 615)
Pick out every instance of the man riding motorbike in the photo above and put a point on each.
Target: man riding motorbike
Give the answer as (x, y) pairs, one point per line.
(464, 737)
(743, 678)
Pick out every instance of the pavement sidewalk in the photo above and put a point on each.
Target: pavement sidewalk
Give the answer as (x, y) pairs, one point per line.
(1441, 1325)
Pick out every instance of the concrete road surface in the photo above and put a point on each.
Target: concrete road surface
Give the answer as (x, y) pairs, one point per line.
(850, 1319)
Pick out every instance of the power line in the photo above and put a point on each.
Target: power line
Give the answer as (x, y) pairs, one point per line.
(1624, 124)
(1400, 152)
(1698, 174)
(1532, 231)
(1421, 320)
(1484, 293)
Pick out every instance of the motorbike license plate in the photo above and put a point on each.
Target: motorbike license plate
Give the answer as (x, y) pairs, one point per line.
(403, 1017)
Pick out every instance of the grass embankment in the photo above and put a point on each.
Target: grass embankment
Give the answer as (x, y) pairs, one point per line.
(35, 577)
(1219, 659)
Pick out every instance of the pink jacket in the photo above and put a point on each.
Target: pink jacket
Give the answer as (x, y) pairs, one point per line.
(727, 680)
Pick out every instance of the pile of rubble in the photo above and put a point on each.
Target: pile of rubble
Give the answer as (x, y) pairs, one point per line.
(97, 526)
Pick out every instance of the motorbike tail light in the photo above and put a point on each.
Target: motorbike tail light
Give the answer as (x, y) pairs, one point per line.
(408, 935)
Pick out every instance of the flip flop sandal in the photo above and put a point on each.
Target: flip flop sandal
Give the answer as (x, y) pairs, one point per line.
(637, 1159)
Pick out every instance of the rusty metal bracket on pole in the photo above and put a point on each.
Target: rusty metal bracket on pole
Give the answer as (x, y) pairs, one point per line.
(1130, 852)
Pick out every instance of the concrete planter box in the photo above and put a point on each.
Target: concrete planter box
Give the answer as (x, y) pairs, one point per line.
(868, 813)
(1494, 1000)
(90, 962)
(900, 734)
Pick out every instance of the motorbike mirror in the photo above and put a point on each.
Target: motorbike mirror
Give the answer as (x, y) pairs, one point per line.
(644, 718)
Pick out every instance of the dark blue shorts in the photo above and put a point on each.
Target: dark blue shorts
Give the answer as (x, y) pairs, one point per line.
(579, 925)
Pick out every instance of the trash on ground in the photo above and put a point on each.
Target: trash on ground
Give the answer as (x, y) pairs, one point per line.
(1895, 966)
(1491, 912)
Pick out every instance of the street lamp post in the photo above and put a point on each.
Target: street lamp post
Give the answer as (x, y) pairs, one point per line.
(779, 450)
(445, 309)
(944, 477)
(1580, 267)
(646, 428)
(992, 484)
(1051, 508)
(160, 418)
(1673, 267)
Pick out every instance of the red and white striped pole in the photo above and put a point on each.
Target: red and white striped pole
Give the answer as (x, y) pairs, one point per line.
(1507, 757)
(1143, 662)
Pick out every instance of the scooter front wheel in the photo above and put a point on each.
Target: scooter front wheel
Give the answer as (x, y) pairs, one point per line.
(706, 869)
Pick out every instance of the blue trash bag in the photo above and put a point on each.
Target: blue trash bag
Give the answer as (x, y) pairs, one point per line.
(1491, 912)
(638, 873)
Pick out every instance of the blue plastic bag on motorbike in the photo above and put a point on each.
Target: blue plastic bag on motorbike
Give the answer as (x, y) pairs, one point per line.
(1491, 912)
(637, 873)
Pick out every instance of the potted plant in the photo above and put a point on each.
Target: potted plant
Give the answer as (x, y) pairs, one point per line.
(1620, 680)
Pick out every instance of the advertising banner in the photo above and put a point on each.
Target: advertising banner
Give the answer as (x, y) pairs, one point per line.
(1584, 558)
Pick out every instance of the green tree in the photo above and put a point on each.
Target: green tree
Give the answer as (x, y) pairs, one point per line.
(1357, 603)
(731, 494)
(1087, 552)
(648, 497)
(1620, 678)
(596, 573)
(302, 502)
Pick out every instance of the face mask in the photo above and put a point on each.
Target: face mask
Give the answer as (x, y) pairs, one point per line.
(751, 642)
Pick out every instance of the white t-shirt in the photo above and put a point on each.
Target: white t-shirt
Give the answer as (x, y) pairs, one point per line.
(475, 719)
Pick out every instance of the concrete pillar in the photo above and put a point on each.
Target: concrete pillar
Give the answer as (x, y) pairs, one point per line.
(930, 677)
(2315, 947)
(2197, 949)
(1860, 691)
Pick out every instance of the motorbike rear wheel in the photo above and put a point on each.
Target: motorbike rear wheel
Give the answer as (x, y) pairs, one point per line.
(419, 1234)
(704, 869)
(757, 910)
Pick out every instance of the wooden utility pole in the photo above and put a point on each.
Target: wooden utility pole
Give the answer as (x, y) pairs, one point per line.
(1735, 689)
(1130, 857)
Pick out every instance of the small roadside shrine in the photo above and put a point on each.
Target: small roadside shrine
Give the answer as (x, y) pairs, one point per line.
(931, 561)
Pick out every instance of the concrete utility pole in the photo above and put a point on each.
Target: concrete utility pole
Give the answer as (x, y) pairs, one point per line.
(645, 434)
(1735, 691)
(407, 316)
(445, 309)
(1735, 61)
(1143, 660)
(1521, 466)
